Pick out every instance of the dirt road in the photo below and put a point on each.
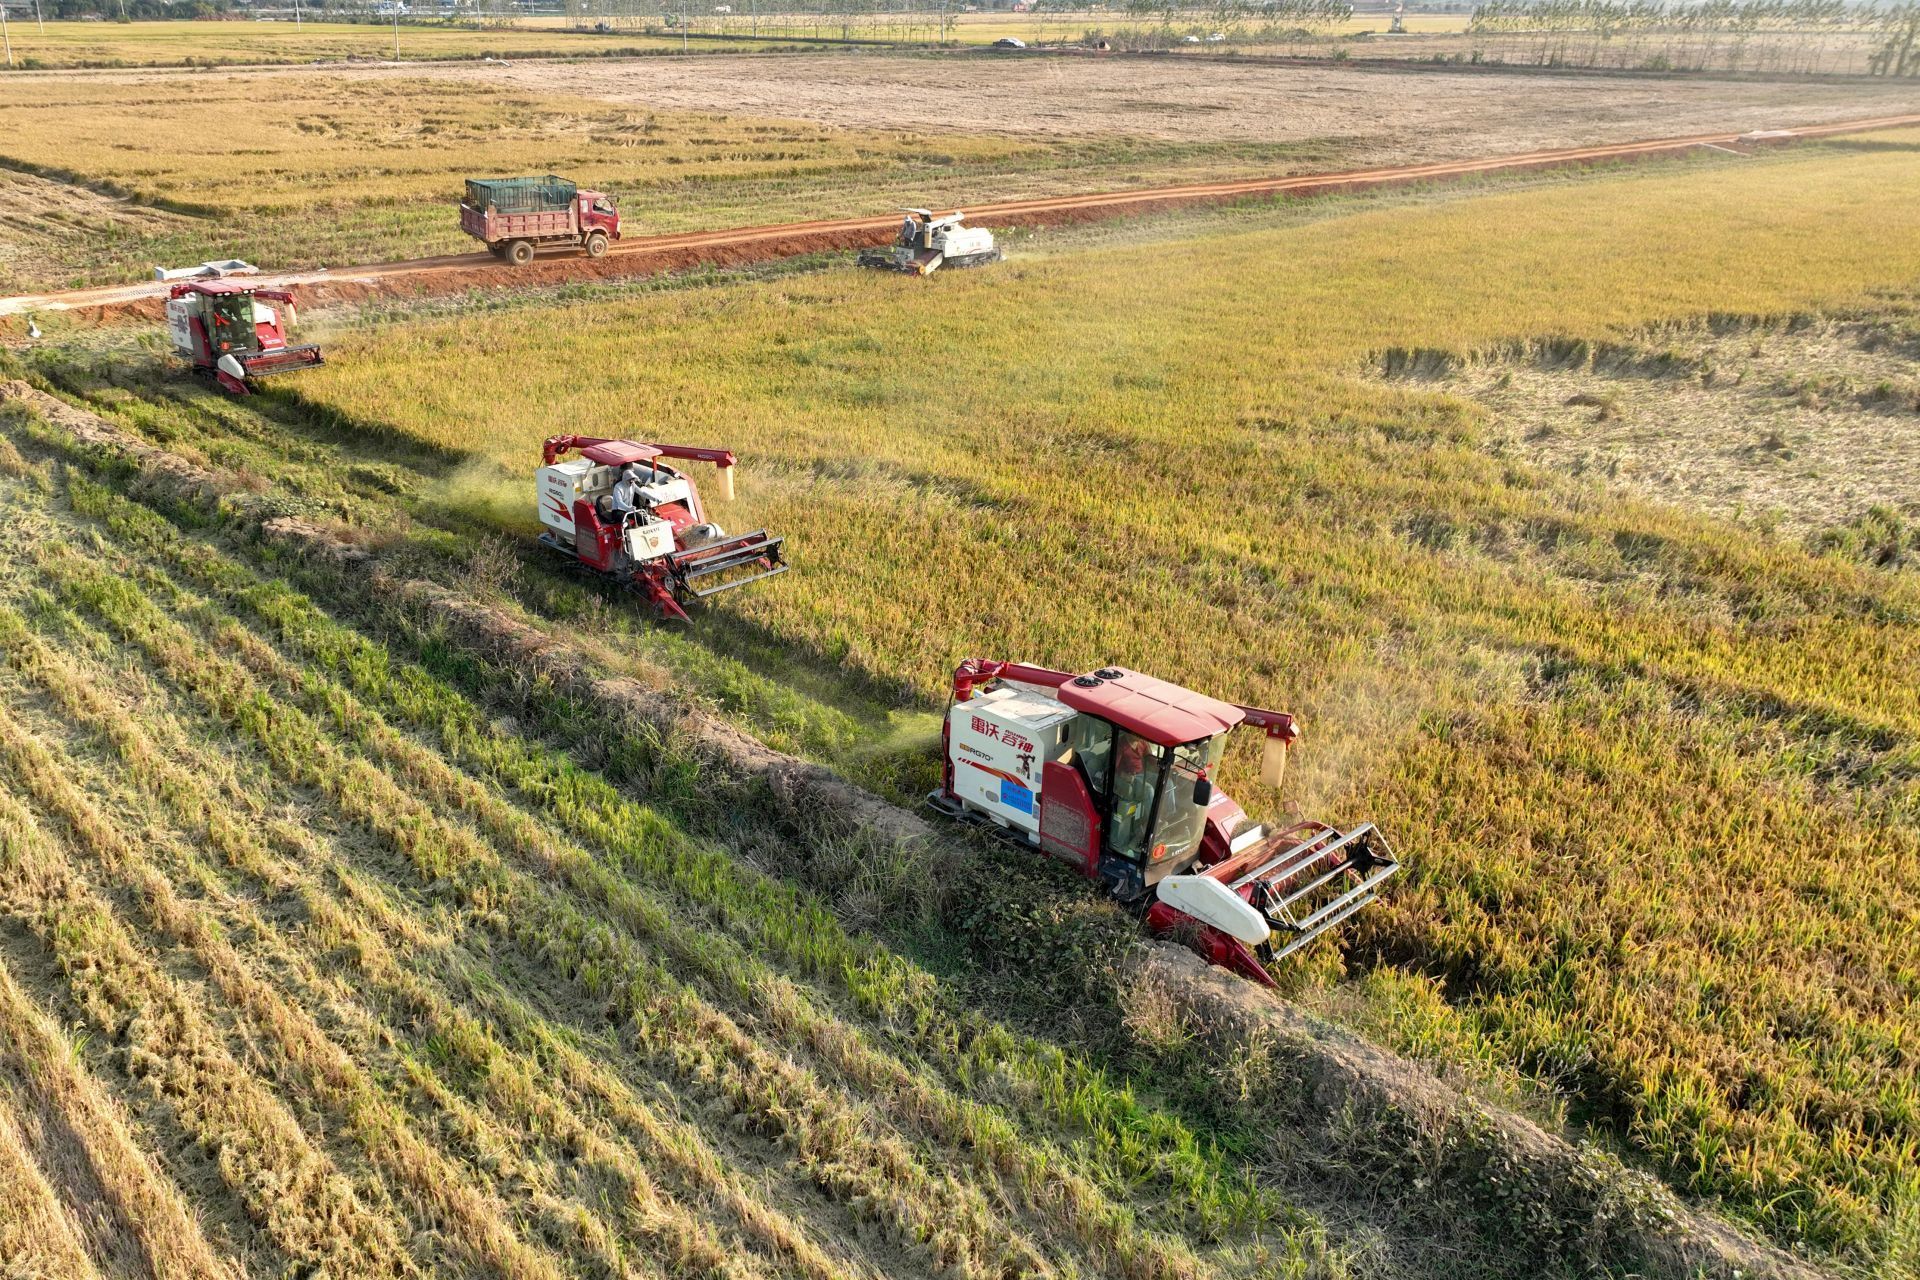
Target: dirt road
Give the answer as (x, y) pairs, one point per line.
(736, 246)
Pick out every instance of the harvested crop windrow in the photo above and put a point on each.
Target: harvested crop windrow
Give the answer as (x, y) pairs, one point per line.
(36, 1235)
(313, 1061)
(368, 796)
(129, 1216)
(304, 956)
(598, 967)
(307, 1211)
(393, 958)
(263, 636)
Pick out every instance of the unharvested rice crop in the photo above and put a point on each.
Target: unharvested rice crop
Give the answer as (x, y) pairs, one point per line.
(1653, 773)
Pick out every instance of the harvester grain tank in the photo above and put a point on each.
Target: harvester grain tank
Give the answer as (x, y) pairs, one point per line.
(928, 241)
(620, 512)
(515, 216)
(230, 332)
(1112, 772)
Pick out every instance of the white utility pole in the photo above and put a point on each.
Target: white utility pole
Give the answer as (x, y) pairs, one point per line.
(396, 29)
(6, 37)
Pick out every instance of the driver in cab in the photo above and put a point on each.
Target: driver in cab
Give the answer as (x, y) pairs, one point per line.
(627, 490)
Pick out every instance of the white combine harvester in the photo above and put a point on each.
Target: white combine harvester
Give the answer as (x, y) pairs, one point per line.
(929, 241)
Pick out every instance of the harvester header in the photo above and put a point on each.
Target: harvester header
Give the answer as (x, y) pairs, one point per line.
(1112, 772)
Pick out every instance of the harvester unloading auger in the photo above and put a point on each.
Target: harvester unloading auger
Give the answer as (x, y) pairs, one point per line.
(1111, 771)
(621, 513)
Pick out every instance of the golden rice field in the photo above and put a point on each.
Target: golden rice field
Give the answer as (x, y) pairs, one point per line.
(310, 965)
(169, 44)
(347, 146)
(1654, 774)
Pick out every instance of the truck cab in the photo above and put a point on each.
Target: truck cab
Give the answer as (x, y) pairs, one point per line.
(598, 211)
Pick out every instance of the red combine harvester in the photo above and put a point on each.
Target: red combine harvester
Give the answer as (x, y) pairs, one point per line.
(229, 333)
(619, 512)
(1111, 772)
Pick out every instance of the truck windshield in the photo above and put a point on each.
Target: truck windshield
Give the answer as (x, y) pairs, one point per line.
(1178, 821)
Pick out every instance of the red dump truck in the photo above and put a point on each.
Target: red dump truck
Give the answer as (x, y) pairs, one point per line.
(514, 216)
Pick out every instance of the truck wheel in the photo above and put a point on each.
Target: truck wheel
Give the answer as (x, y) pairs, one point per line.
(596, 245)
(519, 253)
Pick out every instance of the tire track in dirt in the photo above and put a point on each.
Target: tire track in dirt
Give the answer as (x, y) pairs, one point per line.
(743, 246)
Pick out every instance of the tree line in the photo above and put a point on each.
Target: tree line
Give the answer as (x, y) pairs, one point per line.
(1714, 35)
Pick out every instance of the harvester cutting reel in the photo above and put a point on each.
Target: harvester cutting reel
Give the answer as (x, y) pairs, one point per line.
(1112, 772)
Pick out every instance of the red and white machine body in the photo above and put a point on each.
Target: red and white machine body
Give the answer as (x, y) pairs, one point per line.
(1111, 771)
(663, 547)
(229, 332)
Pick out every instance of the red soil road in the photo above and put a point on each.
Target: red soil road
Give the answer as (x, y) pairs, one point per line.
(652, 255)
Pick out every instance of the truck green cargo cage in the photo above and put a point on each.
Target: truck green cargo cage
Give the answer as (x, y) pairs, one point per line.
(520, 195)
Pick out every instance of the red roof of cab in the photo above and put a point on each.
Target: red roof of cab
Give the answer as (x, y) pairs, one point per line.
(215, 286)
(618, 453)
(1157, 711)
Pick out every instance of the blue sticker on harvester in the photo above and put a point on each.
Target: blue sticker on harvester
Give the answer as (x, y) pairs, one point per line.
(1015, 796)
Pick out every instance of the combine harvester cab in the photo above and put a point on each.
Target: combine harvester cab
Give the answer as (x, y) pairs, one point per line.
(929, 241)
(227, 332)
(1111, 772)
(662, 546)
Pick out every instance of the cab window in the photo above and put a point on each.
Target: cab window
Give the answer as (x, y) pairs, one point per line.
(1136, 777)
(233, 323)
(1091, 740)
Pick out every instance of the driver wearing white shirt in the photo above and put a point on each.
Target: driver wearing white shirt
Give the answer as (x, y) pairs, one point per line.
(627, 494)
